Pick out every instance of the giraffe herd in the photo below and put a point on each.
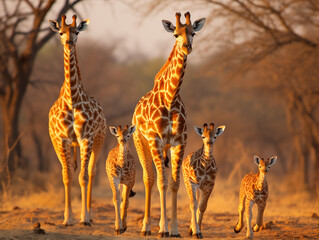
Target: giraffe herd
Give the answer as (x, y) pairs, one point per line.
(158, 130)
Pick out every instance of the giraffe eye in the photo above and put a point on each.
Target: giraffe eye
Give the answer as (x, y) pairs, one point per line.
(61, 33)
(203, 137)
(176, 35)
(193, 34)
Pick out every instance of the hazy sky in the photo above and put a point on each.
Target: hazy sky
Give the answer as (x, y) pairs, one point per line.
(118, 21)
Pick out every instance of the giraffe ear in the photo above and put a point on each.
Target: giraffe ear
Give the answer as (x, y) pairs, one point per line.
(256, 160)
(198, 130)
(169, 27)
(113, 130)
(54, 25)
(272, 160)
(198, 24)
(132, 129)
(83, 25)
(219, 131)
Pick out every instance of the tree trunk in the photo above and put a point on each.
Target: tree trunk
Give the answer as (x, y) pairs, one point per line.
(12, 154)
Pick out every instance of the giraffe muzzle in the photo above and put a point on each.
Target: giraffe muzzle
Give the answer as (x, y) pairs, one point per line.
(187, 45)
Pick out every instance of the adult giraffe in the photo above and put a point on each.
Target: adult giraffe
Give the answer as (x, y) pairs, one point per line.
(160, 118)
(75, 120)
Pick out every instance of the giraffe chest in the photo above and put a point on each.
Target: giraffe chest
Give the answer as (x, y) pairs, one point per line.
(73, 122)
(256, 191)
(153, 118)
(203, 175)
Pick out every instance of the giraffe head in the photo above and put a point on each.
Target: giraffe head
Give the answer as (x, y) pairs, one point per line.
(184, 33)
(122, 135)
(68, 32)
(264, 165)
(208, 134)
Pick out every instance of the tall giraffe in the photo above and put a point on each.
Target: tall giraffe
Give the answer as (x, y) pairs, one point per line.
(160, 118)
(75, 120)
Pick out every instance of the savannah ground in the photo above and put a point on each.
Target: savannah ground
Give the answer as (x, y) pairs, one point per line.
(288, 215)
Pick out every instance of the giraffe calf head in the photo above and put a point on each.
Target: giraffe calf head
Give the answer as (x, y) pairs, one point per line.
(68, 32)
(122, 135)
(264, 164)
(208, 134)
(184, 33)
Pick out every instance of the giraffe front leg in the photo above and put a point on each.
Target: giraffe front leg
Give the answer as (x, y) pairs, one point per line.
(145, 158)
(162, 185)
(241, 209)
(124, 205)
(249, 215)
(260, 215)
(85, 149)
(193, 204)
(117, 201)
(177, 154)
(202, 207)
(62, 149)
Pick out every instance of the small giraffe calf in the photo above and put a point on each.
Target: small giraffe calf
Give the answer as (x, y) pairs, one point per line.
(199, 172)
(254, 189)
(120, 169)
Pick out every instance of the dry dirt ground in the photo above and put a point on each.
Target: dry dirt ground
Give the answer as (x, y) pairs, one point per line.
(287, 216)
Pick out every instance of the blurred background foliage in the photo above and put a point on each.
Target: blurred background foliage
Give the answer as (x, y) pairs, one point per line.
(256, 72)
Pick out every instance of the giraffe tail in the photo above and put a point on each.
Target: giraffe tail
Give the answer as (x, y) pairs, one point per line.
(132, 194)
(74, 160)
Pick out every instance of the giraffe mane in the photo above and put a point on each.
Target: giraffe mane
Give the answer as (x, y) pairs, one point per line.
(167, 63)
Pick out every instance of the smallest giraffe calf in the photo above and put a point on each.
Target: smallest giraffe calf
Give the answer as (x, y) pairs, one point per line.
(199, 172)
(254, 189)
(120, 169)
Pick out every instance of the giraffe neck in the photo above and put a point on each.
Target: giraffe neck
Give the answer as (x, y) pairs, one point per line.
(169, 79)
(72, 87)
(261, 180)
(122, 154)
(207, 154)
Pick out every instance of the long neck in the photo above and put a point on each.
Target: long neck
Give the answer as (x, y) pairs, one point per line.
(122, 154)
(169, 79)
(72, 79)
(261, 180)
(207, 154)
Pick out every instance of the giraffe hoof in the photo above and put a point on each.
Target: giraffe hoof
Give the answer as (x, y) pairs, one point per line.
(198, 235)
(237, 230)
(86, 224)
(190, 232)
(145, 233)
(132, 194)
(163, 234)
(119, 231)
(175, 235)
(256, 228)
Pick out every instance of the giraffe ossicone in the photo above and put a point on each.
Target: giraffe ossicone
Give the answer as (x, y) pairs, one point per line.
(160, 117)
(75, 120)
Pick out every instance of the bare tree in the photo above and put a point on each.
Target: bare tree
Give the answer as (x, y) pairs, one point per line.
(22, 34)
